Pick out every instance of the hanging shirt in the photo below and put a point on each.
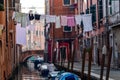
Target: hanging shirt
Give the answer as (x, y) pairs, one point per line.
(78, 19)
(37, 17)
(42, 17)
(70, 21)
(23, 20)
(27, 19)
(13, 15)
(63, 20)
(31, 27)
(18, 17)
(20, 35)
(58, 22)
(31, 17)
(87, 22)
(47, 27)
(1, 28)
(50, 19)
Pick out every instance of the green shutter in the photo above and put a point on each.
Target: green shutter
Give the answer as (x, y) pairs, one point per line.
(110, 3)
(87, 11)
(93, 12)
(1, 5)
(1, 1)
(100, 8)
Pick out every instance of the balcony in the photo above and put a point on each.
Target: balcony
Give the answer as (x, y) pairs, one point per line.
(114, 19)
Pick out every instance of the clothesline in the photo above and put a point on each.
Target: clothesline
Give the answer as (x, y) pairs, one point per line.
(63, 20)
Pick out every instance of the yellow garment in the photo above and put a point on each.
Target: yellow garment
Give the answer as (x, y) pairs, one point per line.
(1, 27)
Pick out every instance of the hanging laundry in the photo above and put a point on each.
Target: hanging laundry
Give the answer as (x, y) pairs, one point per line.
(47, 27)
(50, 19)
(42, 17)
(78, 19)
(71, 21)
(1, 28)
(13, 15)
(37, 17)
(87, 22)
(17, 17)
(31, 27)
(58, 22)
(63, 20)
(23, 20)
(31, 16)
(20, 35)
(27, 19)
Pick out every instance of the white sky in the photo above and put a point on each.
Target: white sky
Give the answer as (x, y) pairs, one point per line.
(39, 4)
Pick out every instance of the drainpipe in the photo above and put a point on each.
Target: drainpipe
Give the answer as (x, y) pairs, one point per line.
(7, 21)
(119, 6)
(107, 39)
(87, 4)
(78, 6)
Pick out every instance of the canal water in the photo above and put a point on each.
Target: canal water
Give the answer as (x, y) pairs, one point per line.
(27, 72)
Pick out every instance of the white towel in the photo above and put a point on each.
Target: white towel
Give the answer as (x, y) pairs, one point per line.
(50, 18)
(78, 19)
(63, 20)
(58, 22)
(20, 35)
(24, 20)
(87, 22)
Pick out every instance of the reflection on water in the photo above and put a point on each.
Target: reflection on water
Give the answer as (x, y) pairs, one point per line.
(28, 73)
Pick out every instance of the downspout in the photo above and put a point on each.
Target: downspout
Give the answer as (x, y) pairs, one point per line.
(7, 21)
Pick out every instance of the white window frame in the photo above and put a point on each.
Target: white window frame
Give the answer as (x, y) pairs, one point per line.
(66, 4)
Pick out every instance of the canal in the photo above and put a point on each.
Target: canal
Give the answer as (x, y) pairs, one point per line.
(26, 72)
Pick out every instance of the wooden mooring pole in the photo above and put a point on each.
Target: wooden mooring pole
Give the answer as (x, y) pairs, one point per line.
(83, 64)
(108, 65)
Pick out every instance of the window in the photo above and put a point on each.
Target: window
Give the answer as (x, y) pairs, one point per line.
(66, 2)
(42, 33)
(37, 33)
(87, 11)
(1, 1)
(67, 29)
(63, 52)
(100, 8)
(1, 5)
(93, 12)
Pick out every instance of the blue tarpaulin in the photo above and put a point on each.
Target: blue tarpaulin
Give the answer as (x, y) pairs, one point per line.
(68, 76)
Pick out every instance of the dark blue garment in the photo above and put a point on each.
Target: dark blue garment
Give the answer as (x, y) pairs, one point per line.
(37, 17)
(36, 62)
(31, 17)
(44, 72)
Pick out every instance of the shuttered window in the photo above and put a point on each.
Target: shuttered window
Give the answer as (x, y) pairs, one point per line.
(87, 11)
(93, 12)
(1, 1)
(67, 29)
(66, 2)
(100, 8)
(1, 5)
